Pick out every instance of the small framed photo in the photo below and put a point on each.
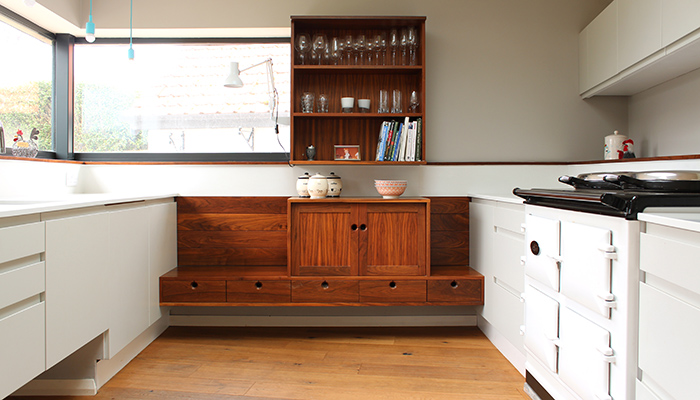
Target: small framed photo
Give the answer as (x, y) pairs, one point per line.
(350, 152)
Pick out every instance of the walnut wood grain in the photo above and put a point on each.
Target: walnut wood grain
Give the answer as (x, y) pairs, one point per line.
(232, 205)
(325, 291)
(232, 256)
(232, 222)
(449, 222)
(462, 291)
(236, 239)
(194, 291)
(258, 291)
(449, 239)
(392, 291)
(449, 205)
(455, 256)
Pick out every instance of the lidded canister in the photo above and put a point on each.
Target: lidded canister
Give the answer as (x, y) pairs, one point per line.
(335, 185)
(614, 146)
(303, 185)
(318, 186)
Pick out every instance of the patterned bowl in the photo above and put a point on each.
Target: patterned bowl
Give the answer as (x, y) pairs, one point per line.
(389, 188)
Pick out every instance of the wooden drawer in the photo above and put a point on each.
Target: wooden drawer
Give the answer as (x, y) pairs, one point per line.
(321, 291)
(193, 291)
(21, 283)
(22, 347)
(21, 241)
(388, 291)
(258, 291)
(467, 291)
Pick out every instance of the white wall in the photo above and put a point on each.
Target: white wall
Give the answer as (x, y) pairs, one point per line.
(665, 120)
(502, 75)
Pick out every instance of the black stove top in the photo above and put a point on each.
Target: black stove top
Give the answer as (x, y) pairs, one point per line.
(625, 203)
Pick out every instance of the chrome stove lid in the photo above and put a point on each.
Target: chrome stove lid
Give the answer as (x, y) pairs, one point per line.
(655, 181)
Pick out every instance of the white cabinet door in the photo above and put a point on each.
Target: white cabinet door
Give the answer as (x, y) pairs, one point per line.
(583, 351)
(162, 242)
(601, 46)
(678, 19)
(586, 253)
(76, 278)
(508, 248)
(128, 283)
(542, 250)
(22, 355)
(669, 353)
(541, 326)
(639, 30)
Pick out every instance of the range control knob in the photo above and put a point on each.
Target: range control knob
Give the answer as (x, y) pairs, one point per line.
(535, 248)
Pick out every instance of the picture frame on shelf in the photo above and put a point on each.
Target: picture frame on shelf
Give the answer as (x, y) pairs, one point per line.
(347, 152)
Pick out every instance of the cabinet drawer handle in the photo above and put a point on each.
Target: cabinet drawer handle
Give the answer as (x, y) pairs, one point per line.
(194, 285)
(363, 227)
(353, 227)
(258, 285)
(324, 285)
(454, 284)
(392, 285)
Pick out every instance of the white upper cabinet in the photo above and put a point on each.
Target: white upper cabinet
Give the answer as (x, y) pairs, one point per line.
(634, 45)
(638, 30)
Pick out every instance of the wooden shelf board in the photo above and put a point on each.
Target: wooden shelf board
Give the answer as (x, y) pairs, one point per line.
(345, 162)
(424, 303)
(358, 115)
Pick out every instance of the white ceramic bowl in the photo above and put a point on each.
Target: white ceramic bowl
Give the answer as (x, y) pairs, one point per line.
(390, 188)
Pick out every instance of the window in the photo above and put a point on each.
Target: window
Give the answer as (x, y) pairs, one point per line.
(171, 98)
(26, 83)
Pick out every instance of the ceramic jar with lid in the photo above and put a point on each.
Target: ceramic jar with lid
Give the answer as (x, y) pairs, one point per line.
(614, 146)
(335, 185)
(303, 185)
(318, 186)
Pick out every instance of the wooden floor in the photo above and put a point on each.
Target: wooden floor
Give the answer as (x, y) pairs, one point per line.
(316, 363)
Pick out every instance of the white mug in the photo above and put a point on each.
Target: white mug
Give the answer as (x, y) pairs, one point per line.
(363, 105)
(347, 104)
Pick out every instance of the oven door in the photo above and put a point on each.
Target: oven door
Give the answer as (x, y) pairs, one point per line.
(586, 260)
(542, 250)
(541, 326)
(584, 356)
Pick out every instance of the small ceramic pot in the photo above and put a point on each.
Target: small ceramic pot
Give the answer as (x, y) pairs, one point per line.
(303, 185)
(318, 186)
(310, 152)
(335, 185)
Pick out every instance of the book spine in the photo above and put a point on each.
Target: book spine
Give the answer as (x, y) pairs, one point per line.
(419, 140)
(397, 142)
(381, 144)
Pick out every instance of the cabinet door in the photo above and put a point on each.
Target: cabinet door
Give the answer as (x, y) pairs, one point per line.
(324, 239)
(393, 239)
(639, 30)
(21, 347)
(541, 324)
(76, 283)
(679, 18)
(601, 42)
(542, 250)
(162, 251)
(128, 276)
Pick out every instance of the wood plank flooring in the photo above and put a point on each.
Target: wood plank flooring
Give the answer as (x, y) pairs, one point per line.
(316, 363)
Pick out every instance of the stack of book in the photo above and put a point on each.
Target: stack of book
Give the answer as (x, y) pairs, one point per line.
(400, 141)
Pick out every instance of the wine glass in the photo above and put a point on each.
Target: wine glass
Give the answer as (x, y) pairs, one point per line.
(393, 44)
(360, 49)
(303, 46)
(413, 102)
(335, 51)
(403, 43)
(380, 48)
(341, 50)
(319, 46)
(412, 41)
(349, 44)
(369, 46)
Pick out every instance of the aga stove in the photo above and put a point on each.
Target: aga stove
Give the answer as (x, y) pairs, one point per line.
(582, 279)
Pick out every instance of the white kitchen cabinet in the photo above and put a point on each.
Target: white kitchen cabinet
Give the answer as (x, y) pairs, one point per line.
(638, 30)
(77, 262)
(598, 44)
(678, 19)
(669, 313)
(128, 275)
(162, 251)
(496, 249)
(22, 308)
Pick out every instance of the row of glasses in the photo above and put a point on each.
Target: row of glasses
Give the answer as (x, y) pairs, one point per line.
(399, 47)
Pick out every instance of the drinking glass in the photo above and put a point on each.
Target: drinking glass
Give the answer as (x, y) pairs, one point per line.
(396, 102)
(379, 48)
(319, 46)
(359, 47)
(322, 103)
(335, 51)
(403, 44)
(369, 46)
(393, 44)
(303, 46)
(342, 50)
(307, 102)
(413, 102)
(349, 46)
(383, 102)
(412, 42)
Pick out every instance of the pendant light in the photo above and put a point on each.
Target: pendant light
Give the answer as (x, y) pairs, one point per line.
(131, 26)
(90, 27)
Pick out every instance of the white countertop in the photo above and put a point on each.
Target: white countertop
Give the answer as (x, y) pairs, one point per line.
(502, 197)
(24, 205)
(682, 218)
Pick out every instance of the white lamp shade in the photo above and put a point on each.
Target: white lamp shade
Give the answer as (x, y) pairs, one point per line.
(234, 79)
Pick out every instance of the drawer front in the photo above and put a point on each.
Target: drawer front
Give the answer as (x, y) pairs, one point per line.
(258, 291)
(193, 291)
(670, 260)
(22, 347)
(388, 291)
(21, 241)
(21, 283)
(330, 291)
(469, 291)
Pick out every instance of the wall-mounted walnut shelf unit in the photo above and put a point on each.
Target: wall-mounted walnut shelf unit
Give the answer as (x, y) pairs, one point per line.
(324, 130)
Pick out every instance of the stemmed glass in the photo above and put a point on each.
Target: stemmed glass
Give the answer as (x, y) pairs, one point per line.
(359, 48)
(303, 46)
(413, 102)
(319, 47)
(335, 51)
(412, 41)
(403, 43)
(393, 44)
(369, 46)
(380, 48)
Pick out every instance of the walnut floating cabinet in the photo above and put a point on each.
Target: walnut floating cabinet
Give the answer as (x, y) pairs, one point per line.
(339, 252)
